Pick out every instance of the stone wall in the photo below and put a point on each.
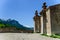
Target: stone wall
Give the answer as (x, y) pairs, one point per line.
(37, 24)
(14, 30)
(55, 19)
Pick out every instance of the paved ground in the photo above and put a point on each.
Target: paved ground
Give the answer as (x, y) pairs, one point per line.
(24, 36)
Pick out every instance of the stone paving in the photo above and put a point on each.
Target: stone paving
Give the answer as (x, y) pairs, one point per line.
(24, 36)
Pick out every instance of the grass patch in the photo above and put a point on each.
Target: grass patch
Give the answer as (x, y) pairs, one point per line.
(53, 35)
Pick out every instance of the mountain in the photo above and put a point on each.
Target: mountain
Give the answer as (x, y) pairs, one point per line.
(13, 23)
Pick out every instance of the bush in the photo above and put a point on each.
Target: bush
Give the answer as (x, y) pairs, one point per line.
(57, 34)
(54, 36)
(2, 25)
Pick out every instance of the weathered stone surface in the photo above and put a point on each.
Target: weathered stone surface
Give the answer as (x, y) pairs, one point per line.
(55, 19)
(37, 22)
(49, 20)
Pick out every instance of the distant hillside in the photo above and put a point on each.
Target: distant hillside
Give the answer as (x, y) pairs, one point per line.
(13, 23)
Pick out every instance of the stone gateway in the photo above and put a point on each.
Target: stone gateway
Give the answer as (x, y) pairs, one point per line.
(48, 22)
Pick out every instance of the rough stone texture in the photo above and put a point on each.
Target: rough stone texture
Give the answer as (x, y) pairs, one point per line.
(55, 19)
(41, 24)
(14, 30)
(36, 18)
(50, 20)
(37, 22)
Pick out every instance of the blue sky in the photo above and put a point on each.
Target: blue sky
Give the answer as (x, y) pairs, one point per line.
(22, 10)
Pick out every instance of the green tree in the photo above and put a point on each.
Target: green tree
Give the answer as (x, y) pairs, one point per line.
(2, 25)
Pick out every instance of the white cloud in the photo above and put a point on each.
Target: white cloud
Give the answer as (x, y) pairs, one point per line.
(27, 26)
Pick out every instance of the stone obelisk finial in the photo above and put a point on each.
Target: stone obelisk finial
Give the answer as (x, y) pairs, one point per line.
(36, 13)
(44, 6)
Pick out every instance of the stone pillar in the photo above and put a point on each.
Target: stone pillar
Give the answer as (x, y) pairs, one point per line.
(43, 19)
(48, 24)
(41, 24)
(36, 21)
(38, 26)
(34, 27)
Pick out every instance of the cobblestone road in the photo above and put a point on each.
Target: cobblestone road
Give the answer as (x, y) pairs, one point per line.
(24, 36)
